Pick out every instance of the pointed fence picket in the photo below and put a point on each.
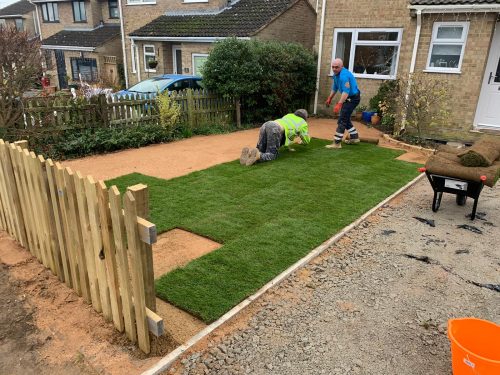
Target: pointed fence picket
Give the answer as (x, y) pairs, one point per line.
(85, 234)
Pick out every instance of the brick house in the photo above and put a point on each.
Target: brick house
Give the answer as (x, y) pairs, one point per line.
(80, 38)
(179, 33)
(457, 41)
(21, 15)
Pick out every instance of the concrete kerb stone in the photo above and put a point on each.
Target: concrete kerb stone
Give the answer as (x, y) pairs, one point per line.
(165, 363)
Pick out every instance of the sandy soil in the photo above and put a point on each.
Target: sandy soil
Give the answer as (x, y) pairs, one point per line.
(46, 328)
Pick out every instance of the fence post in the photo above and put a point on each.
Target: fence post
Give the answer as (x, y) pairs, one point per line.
(140, 192)
(190, 108)
(103, 110)
(238, 112)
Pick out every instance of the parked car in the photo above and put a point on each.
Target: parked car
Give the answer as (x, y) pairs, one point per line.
(171, 82)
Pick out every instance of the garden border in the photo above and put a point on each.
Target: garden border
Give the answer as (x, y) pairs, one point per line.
(165, 363)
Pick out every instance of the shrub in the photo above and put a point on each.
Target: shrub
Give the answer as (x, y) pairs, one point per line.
(386, 94)
(421, 102)
(269, 78)
(170, 111)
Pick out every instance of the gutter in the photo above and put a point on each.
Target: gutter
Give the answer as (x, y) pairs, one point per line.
(69, 48)
(472, 8)
(200, 39)
(320, 54)
(122, 37)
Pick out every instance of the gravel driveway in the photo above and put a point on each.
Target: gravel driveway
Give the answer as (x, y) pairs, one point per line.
(377, 302)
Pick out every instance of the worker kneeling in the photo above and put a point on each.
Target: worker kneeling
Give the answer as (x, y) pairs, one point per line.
(274, 134)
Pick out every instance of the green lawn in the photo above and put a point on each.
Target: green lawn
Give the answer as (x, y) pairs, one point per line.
(267, 216)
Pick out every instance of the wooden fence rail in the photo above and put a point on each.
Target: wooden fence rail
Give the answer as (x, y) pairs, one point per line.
(94, 239)
(198, 107)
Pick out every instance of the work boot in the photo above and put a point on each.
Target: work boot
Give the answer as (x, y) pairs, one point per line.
(351, 141)
(244, 155)
(253, 156)
(334, 145)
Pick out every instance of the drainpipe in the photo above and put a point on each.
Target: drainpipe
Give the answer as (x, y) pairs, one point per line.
(122, 32)
(320, 54)
(136, 55)
(412, 65)
(39, 26)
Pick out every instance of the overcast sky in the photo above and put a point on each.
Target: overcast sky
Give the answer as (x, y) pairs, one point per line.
(4, 3)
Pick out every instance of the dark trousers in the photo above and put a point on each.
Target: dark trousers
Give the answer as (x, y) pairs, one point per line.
(344, 122)
(270, 137)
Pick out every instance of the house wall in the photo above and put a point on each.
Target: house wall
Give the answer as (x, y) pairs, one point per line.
(290, 26)
(465, 87)
(136, 16)
(105, 13)
(28, 23)
(187, 54)
(93, 10)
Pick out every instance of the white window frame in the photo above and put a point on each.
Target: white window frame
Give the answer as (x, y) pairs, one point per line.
(193, 56)
(195, 1)
(354, 42)
(133, 57)
(144, 53)
(141, 2)
(175, 48)
(3, 23)
(434, 41)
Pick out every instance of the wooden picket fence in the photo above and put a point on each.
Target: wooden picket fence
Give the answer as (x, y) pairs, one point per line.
(79, 229)
(198, 107)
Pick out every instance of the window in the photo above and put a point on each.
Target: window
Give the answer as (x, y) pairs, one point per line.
(50, 12)
(86, 68)
(198, 61)
(19, 24)
(2, 22)
(368, 53)
(447, 47)
(149, 55)
(113, 9)
(79, 11)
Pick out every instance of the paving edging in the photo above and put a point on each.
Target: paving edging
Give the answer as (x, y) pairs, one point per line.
(408, 147)
(170, 358)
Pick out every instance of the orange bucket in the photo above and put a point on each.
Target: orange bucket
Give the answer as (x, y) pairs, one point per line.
(475, 346)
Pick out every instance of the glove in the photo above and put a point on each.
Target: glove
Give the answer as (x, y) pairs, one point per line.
(328, 101)
(337, 107)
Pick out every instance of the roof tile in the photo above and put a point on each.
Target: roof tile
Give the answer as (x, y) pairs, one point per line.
(242, 19)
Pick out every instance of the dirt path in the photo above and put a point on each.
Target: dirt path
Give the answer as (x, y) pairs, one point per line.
(189, 155)
(46, 328)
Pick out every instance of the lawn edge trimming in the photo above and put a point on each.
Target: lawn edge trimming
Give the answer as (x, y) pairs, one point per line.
(165, 363)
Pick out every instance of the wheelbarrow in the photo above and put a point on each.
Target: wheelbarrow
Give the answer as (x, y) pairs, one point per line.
(452, 185)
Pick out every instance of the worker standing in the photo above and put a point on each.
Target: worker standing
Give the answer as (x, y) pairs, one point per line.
(345, 83)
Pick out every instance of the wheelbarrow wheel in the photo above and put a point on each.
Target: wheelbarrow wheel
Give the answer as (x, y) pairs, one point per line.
(461, 199)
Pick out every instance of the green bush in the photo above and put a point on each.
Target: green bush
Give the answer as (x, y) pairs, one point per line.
(386, 94)
(170, 111)
(270, 78)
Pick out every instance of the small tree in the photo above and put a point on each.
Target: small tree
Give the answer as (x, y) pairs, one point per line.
(20, 70)
(421, 103)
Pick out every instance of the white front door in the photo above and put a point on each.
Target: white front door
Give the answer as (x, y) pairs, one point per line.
(488, 109)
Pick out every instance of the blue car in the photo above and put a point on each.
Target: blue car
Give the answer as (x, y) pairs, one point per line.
(171, 82)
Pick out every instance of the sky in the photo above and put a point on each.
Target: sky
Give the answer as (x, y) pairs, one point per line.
(4, 3)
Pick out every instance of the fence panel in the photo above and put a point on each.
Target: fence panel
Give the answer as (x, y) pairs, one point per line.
(198, 107)
(85, 234)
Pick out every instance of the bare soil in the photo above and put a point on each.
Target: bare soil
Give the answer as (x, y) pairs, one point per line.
(46, 328)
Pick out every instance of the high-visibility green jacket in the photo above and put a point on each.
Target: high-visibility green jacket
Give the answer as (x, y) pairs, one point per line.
(294, 126)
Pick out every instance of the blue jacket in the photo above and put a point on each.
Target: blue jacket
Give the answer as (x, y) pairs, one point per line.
(345, 82)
